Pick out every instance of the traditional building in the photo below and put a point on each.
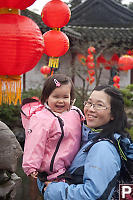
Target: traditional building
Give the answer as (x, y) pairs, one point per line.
(104, 24)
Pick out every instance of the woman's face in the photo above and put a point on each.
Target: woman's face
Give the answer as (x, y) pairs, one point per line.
(98, 109)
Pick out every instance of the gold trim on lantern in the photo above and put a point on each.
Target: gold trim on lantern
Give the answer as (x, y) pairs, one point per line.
(56, 29)
(53, 62)
(10, 89)
(9, 11)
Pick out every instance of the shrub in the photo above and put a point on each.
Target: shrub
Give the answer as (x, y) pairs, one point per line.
(128, 95)
(130, 132)
(10, 114)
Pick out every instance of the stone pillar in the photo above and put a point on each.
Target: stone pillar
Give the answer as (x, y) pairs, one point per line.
(10, 151)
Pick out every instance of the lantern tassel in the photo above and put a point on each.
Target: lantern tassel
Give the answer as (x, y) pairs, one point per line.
(53, 62)
(10, 89)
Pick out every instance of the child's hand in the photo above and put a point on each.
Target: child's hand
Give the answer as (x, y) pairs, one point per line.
(34, 174)
(46, 183)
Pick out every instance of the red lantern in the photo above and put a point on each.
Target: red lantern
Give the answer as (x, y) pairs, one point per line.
(56, 14)
(92, 79)
(56, 43)
(21, 47)
(91, 50)
(21, 44)
(45, 70)
(18, 4)
(116, 79)
(91, 72)
(117, 85)
(90, 58)
(90, 65)
(125, 62)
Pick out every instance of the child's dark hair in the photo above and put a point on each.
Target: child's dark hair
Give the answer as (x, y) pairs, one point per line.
(50, 85)
(119, 123)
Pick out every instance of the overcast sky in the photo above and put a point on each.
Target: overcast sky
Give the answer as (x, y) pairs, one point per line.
(38, 5)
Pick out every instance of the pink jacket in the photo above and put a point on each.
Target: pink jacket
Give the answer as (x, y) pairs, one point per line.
(43, 135)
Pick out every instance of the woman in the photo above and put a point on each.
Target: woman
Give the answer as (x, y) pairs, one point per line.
(100, 164)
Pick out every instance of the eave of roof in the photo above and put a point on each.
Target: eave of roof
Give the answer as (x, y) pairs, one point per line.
(106, 13)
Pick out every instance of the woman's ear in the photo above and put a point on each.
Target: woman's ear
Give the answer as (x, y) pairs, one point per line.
(111, 118)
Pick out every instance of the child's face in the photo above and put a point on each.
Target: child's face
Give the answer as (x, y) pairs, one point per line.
(59, 99)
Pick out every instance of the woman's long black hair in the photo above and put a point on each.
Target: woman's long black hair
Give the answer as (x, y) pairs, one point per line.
(119, 124)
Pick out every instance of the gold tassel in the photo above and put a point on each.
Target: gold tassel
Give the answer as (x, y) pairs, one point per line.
(10, 89)
(53, 62)
(9, 11)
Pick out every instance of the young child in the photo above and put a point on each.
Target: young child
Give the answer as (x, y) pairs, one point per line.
(52, 129)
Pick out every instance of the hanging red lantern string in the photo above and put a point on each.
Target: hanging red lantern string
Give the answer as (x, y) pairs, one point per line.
(55, 14)
(117, 85)
(21, 47)
(91, 72)
(116, 80)
(125, 62)
(92, 79)
(90, 65)
(90, 58)
(91, 50)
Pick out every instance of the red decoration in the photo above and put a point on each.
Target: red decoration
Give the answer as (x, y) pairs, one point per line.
(130, 52)
(114, 59)
(45, 70)
(82, 59)
(91, 50)
(18, 4)
(116, 79)
(90, 58)
(101, 60)
(87, 78)
(90, 65)
(108, 65)
(56, 14)
(56, 43)
(92, 79)
(117, 85)
(125, 62)
(91, 72)
(21, 44)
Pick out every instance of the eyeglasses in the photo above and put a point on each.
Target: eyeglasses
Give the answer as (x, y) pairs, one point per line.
(96, 106)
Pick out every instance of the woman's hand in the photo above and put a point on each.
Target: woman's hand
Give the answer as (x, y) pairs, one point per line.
(34, 174)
